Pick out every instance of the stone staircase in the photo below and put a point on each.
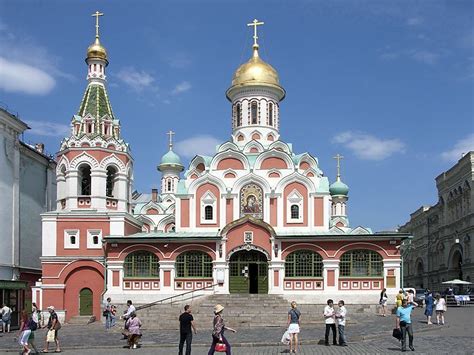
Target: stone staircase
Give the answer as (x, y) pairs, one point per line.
(241, 311)
(81, 320)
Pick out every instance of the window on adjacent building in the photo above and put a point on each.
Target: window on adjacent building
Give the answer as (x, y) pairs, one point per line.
(85, 180)
(254, 113)
(94, 238)
(194, 264)
(304, 263)
(208, 208)
(359, 263)
(141, 264)
(71, 239)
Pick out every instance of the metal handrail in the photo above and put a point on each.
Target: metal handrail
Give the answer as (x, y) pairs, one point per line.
(171, 298)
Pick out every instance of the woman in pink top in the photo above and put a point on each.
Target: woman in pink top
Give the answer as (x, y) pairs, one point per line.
(134, 333)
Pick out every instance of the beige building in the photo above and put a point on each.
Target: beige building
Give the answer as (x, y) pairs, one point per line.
(442, 245)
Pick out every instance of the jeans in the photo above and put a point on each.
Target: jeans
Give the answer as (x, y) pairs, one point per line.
(188, 337)
(108, 320)
(326, 336)
(407, 329)
(342, 336)
(215, 341)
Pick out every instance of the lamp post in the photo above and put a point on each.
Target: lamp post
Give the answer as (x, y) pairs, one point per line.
(405, 248)
(458, 241)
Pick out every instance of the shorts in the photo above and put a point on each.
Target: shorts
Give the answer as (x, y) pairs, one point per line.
(294, 328)
(441, 311)
(6, 322)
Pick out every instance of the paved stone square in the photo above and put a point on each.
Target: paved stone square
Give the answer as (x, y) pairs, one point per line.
(368, 334)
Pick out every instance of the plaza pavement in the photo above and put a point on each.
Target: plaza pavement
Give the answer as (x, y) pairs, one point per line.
(368, 334)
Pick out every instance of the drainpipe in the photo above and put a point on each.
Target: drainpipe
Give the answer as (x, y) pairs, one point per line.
(104, 245)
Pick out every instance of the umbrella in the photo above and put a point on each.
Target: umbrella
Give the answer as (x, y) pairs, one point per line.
(456, 282)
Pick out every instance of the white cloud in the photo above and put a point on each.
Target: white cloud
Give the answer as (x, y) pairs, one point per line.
(415, 21)
(368, 147)
(179, 61)
(201, 144)
(24, 78)
(181, 87)
(424, 56)
(136, 80)
(46, 128)
(463, 146)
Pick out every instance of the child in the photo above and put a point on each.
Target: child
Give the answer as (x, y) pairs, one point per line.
(341, 322)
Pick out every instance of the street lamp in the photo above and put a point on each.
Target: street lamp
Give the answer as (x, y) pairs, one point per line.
(405, 248)
(458, 241)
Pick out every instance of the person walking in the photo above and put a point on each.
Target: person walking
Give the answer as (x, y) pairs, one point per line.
(6, 314)
(440, 308)
(330, 320)
(218, 331)
(130, 309)
(107, 313)
(24, 332)
(429, 301)
(186, 322)
(341, 322)
(383, 301)
(294, 322)
(403, 322)
(53, 325)
(134, 333)
(399, 298)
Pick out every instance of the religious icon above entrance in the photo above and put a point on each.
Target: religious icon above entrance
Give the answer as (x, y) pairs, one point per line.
(251, 201)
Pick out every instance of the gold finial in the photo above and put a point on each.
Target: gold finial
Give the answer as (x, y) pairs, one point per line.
(171, 134)
(255, 23)
(338, 157)
(96, 15)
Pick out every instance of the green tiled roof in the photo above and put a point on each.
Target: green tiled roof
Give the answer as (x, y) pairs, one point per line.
(95, 102)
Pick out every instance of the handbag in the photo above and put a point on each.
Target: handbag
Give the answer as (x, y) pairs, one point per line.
(105, 313)
(57, 326)
(50, 335)
(397, 334)
(220, 348)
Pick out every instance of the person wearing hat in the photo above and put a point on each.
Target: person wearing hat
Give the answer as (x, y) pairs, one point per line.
(53, 324)
(218, 332)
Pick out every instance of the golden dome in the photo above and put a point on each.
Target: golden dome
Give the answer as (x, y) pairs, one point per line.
(256, 72)
(97, 51)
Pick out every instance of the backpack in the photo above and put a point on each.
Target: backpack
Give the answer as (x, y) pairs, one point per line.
(32, 325)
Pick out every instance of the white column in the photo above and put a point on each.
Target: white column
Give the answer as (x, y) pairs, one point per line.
(395, 265)
(167, 266)
(98, 182)
(122, 187)
(72, 188)
(278, 265)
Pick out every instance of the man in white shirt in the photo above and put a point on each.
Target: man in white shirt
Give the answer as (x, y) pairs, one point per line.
(6, 314)
(330, 320)
(341, 322)
(131, 309)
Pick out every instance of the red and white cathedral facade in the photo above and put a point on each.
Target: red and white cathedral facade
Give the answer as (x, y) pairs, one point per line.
(256, 217)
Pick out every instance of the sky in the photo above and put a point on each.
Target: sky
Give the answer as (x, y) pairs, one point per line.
(387, 84)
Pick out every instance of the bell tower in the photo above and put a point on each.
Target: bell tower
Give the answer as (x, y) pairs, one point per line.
(170, 167)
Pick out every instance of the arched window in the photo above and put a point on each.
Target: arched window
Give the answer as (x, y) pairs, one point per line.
(111, 177)
(169, 185)
(238, 112)
(360, 263)
(141, 264)
(85, 180)
(295, 212)
(270, 114)
(208, 213)
(304, 263)
(194, 264)
(254, 113)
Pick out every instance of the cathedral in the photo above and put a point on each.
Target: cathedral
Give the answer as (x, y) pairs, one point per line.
(255, 217)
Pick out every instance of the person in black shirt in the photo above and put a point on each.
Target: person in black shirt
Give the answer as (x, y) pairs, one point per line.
(186, 322)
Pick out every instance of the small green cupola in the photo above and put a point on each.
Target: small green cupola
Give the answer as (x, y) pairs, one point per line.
(339, 188)
(170, 159)
(170, 168)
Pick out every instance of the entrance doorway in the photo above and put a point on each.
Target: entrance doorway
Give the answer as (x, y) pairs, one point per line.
(248, 272)
(85, 302)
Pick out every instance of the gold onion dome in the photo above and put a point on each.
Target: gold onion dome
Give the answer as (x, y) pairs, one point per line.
(256, 72)
(97, 51)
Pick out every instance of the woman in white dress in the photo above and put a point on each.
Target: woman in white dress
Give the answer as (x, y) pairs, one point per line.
(294, 318)
(440, 308)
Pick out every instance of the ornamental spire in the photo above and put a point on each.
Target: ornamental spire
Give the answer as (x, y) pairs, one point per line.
(255, 23)
(171, 134)
(338, 157)
(97, 14)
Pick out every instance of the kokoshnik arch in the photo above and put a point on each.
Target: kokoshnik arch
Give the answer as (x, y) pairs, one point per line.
(256, 217)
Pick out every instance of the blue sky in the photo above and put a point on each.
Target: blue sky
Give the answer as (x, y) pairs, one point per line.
(389, 85)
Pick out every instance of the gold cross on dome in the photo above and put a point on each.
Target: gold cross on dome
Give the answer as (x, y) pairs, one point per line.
(255, 23)
(96, 15)
(171, 134)
(338, 157)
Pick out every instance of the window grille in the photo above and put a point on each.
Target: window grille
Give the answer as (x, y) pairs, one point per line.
(208, 213)
(193, 264)
(85, 180)
(110, 183)
(239, 115)
(142, 264)
(304, 263)
(360, 263)
(270, 114)
(295, 212)
(254, 112)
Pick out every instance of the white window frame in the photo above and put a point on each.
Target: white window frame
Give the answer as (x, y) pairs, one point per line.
(208, 199)
(68, 233)
(91, 233)
(294, 198)
(248, 237)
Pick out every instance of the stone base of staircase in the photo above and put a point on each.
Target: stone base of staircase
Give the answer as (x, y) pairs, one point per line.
(81, 320)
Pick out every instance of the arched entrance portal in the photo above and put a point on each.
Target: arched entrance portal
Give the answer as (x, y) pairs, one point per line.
(85, 302)
(248, 272)
(456, 264)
